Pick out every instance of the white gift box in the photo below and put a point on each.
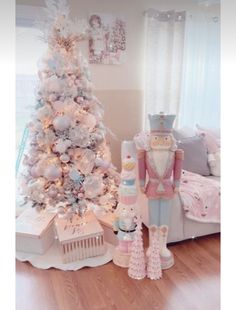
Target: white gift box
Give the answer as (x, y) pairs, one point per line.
(80, 238)
(107, 224)
(34, 231)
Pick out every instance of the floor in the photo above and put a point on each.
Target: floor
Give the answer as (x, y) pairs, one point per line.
(193, 283)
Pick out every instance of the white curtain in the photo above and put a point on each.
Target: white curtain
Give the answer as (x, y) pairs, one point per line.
(164, 39)
(200, 97)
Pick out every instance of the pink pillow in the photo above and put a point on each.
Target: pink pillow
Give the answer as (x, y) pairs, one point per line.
(213, 132)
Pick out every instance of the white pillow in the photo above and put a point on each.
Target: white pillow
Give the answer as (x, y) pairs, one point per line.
(214, 163)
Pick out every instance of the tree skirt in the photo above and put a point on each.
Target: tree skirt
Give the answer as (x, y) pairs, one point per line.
(52, 259)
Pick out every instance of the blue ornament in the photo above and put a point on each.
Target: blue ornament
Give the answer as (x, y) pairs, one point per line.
(52, 64)
(76, 176)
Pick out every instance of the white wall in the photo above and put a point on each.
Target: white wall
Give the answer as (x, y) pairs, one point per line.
(120, 87)
(128, 75)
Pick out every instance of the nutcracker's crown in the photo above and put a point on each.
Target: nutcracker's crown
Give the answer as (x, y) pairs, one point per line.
(161, 123)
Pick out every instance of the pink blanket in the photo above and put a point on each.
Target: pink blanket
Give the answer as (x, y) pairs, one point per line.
(200, 197)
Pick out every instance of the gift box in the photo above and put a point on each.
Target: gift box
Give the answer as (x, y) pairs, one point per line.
(107, 221)
(80, 238)
(34, 231)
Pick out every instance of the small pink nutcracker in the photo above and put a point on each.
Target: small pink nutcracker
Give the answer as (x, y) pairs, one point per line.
(159, 157)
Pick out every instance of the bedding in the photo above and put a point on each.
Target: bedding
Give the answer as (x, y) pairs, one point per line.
(200, 197)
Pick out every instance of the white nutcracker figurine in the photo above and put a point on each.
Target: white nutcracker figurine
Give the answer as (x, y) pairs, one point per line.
(159, 158)
(124, 224)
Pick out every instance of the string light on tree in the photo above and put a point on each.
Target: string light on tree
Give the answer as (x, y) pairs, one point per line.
(67, 133)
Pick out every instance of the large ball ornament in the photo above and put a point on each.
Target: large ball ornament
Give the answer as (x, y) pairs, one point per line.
(52, 172)
(61, 123)
(34, 171)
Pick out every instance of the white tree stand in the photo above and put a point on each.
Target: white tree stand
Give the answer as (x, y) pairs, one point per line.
(52, 259)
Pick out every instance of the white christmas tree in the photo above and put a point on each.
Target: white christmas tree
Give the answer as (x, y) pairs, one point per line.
(154, 271)
(68, 160)
(137, 269)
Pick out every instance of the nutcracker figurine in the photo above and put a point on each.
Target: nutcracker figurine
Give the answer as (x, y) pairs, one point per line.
(159, 157)
(124, 224)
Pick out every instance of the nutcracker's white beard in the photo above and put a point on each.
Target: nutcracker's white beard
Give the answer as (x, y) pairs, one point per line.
(161, 160)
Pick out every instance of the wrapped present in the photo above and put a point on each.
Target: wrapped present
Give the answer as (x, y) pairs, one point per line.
(107, 221)
(80, 238)
(34, 231)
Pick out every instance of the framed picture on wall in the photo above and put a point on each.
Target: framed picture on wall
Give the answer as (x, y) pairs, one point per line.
(107, 39)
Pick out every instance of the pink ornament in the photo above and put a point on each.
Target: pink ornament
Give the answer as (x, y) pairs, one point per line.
(52, 172)
(61, 123)
(34, 172)
(52, 192)
(79, 99)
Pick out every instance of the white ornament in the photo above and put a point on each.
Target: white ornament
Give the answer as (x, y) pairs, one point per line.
(62, 123)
